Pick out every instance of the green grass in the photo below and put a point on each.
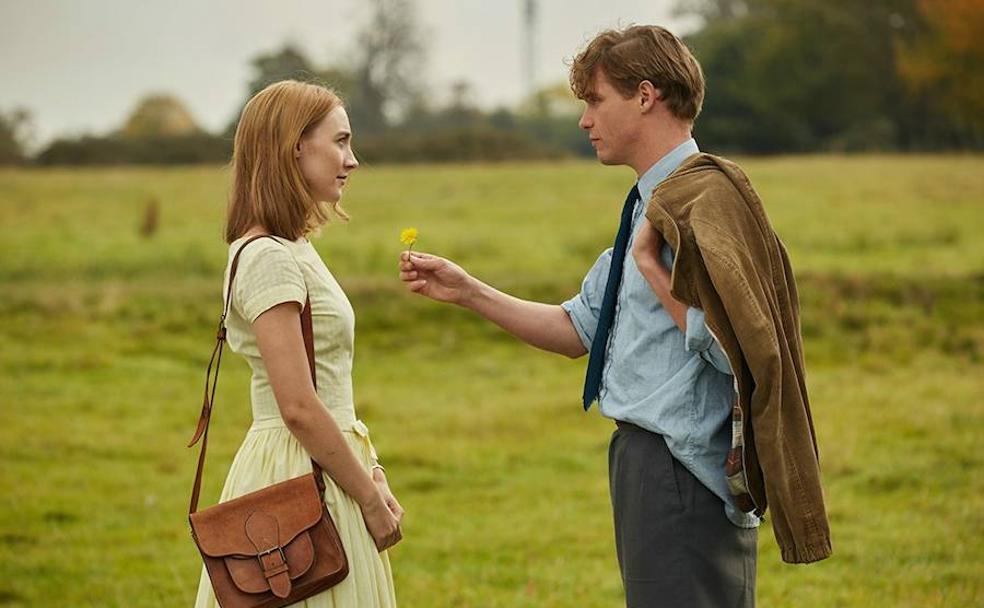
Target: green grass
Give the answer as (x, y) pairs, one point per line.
(104, 336)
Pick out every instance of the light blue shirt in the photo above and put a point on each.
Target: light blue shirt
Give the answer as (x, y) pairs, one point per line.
(655, 376)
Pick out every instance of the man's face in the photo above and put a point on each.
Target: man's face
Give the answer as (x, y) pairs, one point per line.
(612, 121)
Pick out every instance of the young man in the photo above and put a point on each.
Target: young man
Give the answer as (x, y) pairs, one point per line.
(685, 532)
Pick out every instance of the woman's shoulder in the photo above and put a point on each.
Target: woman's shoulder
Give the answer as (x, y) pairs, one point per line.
(265, 240)
(273, 246)
(267, 273)
(262, 257)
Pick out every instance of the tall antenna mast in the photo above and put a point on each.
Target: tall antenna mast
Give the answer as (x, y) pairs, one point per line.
(528, 58)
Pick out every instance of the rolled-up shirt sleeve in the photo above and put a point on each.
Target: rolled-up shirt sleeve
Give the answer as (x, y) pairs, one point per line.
(585, 308)
(700, 340)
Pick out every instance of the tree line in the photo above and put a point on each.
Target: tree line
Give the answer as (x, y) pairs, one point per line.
(783, 76)
(788, 76)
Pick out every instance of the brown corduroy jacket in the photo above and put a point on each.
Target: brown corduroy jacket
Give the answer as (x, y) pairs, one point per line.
(730, 263)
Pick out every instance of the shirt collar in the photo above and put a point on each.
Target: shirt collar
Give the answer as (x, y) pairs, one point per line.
(664, 166)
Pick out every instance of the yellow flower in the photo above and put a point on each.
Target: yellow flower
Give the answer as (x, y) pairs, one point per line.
(408, 236)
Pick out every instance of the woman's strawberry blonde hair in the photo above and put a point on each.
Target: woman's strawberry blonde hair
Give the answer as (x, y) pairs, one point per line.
(267, 185)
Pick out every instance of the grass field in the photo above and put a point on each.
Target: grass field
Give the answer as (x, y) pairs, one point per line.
(104, 336)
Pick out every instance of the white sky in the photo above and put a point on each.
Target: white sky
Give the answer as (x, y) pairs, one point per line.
(81, 65)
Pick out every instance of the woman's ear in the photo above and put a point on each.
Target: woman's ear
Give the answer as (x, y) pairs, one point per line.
(297, 150)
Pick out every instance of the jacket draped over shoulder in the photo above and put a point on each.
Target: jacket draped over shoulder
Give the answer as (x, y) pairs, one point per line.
(730, 263)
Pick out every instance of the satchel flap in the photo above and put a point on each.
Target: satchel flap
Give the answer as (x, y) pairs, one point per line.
(220, 530)
(247, 573)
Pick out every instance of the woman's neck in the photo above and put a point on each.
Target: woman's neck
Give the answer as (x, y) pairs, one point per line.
(255, 230)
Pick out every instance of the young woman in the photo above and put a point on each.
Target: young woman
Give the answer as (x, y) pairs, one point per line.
(292, 158)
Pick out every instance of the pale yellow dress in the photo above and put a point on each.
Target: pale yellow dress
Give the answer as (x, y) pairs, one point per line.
(271, 272)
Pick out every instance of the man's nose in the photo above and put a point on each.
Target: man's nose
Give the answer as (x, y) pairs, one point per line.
(585, 122)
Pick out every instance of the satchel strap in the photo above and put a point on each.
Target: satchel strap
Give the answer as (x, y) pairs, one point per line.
(212, 378)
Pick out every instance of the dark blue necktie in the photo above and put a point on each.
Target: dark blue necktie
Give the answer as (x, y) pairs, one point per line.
(596, 360)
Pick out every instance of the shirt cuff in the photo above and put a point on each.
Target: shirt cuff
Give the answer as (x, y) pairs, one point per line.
(581, 319)
(700, 340)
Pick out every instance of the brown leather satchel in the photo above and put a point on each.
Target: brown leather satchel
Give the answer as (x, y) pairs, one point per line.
(275, 546)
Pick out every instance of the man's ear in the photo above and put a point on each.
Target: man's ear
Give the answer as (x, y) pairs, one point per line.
(648, 96)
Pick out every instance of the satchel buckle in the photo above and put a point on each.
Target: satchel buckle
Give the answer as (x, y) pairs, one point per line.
(283, 557)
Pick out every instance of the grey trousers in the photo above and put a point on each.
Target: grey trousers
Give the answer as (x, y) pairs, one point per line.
(676, 547)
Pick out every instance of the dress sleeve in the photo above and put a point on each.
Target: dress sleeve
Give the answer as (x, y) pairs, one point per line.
(267, 275)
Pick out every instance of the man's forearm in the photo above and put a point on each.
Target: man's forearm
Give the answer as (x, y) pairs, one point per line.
(658, 278)
(545, 326)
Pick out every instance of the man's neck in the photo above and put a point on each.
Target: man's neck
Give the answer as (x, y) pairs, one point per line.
(656, 148)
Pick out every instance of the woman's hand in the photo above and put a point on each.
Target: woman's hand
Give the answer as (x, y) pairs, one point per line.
(278, 334)
(434, 277)
(383, 525)
(379, 477)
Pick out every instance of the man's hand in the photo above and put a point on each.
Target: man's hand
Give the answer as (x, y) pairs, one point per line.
(434, 277)
(647, 247)
(545, 326)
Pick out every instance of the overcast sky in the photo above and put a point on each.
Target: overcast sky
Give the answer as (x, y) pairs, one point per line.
(81, 65)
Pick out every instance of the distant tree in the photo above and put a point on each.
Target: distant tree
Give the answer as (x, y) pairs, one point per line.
(287, 63)
(159, 115)
(799, 75)
(394, 122)
(946, 62)
(552, 100)
(550, 115)
(462, 95)
(712, 11)
(13, 136)
(387, 71)
(381, 87)
(290, 63)
(150, 150)
(461, 110)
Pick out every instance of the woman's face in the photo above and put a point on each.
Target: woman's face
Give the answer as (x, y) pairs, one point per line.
(325, 156)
